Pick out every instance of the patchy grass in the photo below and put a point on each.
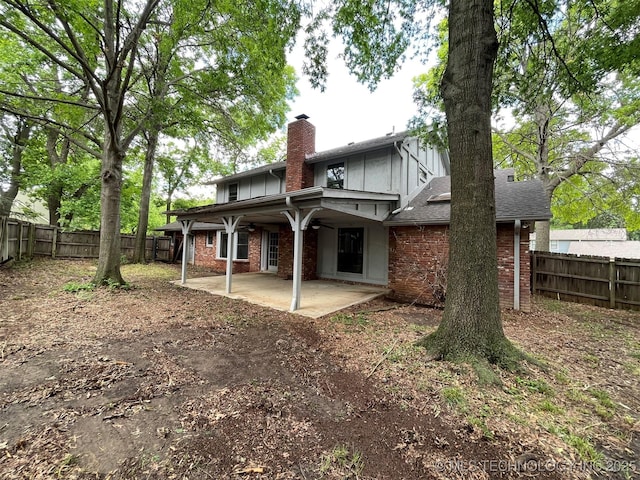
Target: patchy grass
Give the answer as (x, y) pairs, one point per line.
(582, 406)
(343, 462)
(239, 391)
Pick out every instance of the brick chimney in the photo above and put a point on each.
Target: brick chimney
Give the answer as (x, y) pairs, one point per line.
(301, 141)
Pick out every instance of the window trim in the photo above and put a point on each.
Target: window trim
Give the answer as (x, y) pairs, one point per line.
(209, 236)
(337, 184)
(220, 243)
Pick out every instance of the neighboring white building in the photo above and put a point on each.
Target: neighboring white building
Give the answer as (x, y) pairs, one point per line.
(603, 242)
(25, 208)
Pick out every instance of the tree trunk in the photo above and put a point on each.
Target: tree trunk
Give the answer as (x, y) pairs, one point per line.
(19, 141)
(55, 190)
(169, 202)
(145, 198)
(53, 204)
(543, 236)
(471, 326)
(108, 270)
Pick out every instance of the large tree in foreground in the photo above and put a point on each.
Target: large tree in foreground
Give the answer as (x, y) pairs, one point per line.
(471, 326)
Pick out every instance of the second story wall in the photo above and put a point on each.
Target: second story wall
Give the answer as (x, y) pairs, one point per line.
(400, 168)
(252, 186)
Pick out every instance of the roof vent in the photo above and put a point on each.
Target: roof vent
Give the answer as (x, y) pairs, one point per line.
(302, 116)
(443, 197)
(510, 178)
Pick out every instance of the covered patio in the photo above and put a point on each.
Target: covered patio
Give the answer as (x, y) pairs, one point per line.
(321, 297)
(299, 209)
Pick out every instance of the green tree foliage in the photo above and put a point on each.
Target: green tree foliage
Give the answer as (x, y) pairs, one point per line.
(92, 68)
(569, 102)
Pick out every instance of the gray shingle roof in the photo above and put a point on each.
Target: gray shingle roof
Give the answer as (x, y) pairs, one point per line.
(514, 201)
(353, 148)
(249, 173)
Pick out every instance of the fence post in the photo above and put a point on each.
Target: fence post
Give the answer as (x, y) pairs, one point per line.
(4, 238)
(54, 240)
(612, 283)
(20, 236)
(31, 242)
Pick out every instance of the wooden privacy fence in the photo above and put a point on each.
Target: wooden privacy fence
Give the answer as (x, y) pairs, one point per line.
(613, 283)
(19, 239)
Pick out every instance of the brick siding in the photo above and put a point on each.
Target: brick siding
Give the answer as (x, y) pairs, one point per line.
(418, 260)
(205, 256)
(309, 253)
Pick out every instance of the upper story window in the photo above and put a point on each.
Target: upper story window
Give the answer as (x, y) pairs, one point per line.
(233, 192)
(335, 175)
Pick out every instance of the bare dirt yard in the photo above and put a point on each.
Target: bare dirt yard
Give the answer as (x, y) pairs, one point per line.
(160, 382)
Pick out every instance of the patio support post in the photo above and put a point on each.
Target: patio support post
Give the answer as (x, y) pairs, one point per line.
(230, 225)
(298, 225)
(186, 228)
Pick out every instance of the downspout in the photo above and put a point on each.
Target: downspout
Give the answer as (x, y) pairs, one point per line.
(278, 177)
(516, 264)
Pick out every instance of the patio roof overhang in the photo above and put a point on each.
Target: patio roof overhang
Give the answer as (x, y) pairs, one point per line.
(329, 204)
(297, 208)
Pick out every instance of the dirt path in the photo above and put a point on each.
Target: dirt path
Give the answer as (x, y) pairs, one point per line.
(163, 382)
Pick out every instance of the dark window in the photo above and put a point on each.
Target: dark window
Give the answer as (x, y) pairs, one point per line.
(350, 248)
(335, 175)
(242, 248)
(224, 245)
(210, 235)
(233, 192)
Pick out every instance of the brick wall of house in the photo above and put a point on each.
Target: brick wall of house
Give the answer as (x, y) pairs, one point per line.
(418, 260)
(309, 253)
(301, 140)
(505, 267)
(205, 256)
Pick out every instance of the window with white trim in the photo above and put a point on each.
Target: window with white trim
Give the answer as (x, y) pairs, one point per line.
(233, 192)
(210, 235)
(335, 175)
(241, 244)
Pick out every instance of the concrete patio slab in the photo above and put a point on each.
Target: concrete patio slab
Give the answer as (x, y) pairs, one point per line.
(318, 297)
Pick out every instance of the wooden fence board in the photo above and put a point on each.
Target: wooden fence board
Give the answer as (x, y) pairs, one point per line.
(600, 281)
(19, 239)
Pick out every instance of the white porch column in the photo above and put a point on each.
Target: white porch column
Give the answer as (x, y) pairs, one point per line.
(298, 225)
(186, 228)
(230, 225)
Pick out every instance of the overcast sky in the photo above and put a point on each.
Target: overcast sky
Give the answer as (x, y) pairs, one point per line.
(347, 111)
